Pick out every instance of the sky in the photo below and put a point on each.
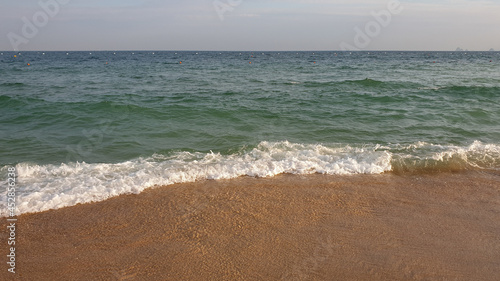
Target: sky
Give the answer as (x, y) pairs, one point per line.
(249, 25)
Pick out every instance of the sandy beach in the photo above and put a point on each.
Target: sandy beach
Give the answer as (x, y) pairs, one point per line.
(442, 226)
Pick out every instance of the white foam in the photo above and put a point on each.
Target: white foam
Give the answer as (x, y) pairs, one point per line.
(44, 187)
(429, 156)
(478, 155)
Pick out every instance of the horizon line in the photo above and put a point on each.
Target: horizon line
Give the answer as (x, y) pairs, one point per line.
(269, 51)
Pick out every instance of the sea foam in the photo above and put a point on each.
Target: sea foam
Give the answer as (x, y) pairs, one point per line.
(44, 187)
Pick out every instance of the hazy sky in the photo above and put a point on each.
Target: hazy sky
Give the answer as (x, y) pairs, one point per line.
(247, 25)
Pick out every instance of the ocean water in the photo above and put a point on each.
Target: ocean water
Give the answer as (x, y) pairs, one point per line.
(85, 126)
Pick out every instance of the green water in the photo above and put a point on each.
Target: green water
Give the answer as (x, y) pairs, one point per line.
(75, 107)
(101, 124)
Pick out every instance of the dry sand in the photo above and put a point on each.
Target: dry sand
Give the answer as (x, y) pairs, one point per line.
(368, 227)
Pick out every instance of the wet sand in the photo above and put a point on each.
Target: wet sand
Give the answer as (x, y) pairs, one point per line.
(443, 226)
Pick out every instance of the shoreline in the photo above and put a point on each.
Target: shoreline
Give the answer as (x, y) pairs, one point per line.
(288, 227)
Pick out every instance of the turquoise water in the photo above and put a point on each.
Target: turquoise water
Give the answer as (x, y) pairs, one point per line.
(90, 125)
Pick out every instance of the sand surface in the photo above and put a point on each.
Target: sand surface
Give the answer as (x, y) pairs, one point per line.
(368, 227)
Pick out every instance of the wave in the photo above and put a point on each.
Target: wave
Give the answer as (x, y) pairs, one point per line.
(485, 91)
(366, 83)
(44, 187)
(4, 99)
(468, 91)
(12, 84)
(427, 157)
(17, 101)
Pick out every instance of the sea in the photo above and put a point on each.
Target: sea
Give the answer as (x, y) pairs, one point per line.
(81, 127)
